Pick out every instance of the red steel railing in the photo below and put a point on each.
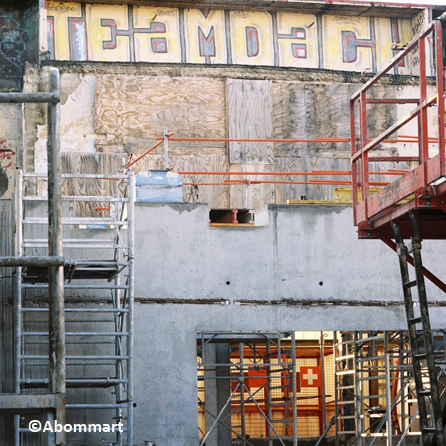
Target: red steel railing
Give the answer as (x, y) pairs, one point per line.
(382, 205)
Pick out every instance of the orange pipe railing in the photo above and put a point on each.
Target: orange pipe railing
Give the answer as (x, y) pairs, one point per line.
(276, 140)
(314, 172)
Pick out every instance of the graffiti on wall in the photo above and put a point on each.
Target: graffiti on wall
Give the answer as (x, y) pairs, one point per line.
(128, 33)
(18, 43)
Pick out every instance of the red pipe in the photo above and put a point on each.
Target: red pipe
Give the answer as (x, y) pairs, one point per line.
(315, 172)
(323, 182)
(275, 140)
(145, 153)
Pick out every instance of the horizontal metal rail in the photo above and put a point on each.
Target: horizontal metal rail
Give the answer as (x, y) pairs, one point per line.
(68, 357)
(78, 198)
(21, 98)
(97, 176)
(77, 333)
(77, 245)
(79, 310)
(32, 261)
(70, 286)
(77, 221)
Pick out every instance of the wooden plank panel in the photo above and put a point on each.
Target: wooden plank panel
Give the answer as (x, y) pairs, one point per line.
(286, 192)
(258, 194)
(133, 110)
(249, 115)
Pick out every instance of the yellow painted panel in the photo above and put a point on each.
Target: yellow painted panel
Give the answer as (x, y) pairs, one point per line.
(194, 20)
(345, 194)
(143, 17)
(332, 36)
(98, 34)
(306, 22)
(383, 42)
(405, 36)
(60, 12)
(261, 22)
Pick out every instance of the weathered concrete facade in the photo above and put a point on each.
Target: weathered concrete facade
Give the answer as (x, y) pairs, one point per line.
(298, 268)
(304, 270)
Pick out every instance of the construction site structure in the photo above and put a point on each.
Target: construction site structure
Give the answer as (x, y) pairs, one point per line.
(268, 384)
(376, 387)
(73, 324)
(412, 207)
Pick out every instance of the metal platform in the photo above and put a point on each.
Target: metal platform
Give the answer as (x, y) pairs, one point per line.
(422, 189)
(92, 270)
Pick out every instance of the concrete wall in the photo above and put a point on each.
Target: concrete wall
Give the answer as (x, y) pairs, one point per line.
(274, 274)
(302, 253)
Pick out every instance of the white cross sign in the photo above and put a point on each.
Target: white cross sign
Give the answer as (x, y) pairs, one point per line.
(310, 376)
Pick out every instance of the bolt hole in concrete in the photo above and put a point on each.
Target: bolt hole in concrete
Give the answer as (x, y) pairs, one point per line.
(228, 283)
(269, 384)
(321, 283)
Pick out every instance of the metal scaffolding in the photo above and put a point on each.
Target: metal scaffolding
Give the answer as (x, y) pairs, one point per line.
(263, 370)
(98, 300)
(382, 392)
(73, 319)
(250, 385)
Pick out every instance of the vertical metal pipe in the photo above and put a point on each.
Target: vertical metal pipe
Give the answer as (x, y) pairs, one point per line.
(293, 358)
(364, 158)
(354, 163)
(130, 314)
(118, 352)
(21, 165)
(242, 395)
(166, 149)
(388, 390)
(424, 126)
(359, 390)
(324, 415)
(336, 389)
(268, 389)
(402, 385)
(55, 248)
(440, 93)
(18, 298)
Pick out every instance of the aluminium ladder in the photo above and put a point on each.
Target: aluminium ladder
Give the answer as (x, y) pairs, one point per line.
(420, 336)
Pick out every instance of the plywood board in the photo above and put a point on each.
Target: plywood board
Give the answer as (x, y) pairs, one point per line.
(308, 111)
(132, 110)
(105, 163)
(257, 194)
(249, 115)
(322, 191)
(286, 192)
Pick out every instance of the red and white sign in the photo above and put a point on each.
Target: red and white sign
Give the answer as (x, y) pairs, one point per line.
(310, 376)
